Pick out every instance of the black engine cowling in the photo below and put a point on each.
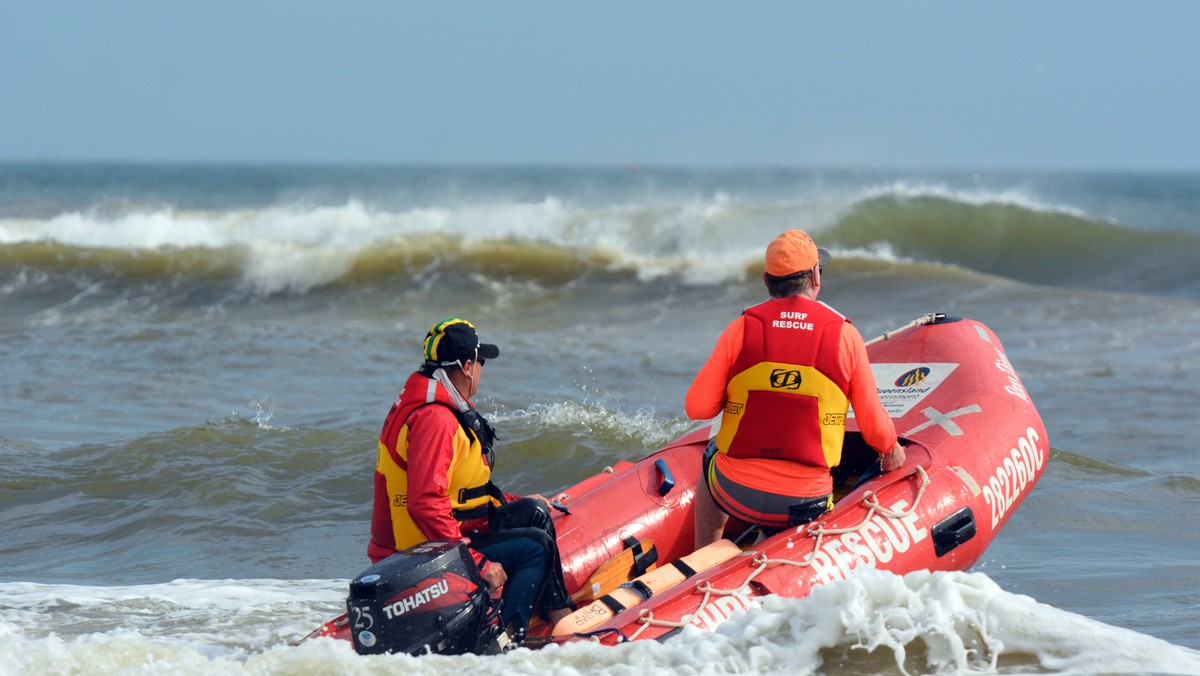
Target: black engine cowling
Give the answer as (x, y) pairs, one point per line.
(428, 598)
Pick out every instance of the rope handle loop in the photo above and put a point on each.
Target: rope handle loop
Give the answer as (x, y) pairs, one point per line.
(924, 319)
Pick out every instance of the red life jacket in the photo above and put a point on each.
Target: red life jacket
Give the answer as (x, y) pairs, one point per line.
(469, 489)
(787, 398)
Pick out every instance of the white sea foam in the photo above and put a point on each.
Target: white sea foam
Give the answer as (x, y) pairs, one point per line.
(643, 426)
(942, 623)
(1016, 197)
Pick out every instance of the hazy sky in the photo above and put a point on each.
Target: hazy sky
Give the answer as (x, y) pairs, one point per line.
(1016, 84)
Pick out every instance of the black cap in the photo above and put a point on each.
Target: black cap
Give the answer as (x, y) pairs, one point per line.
(452, 341)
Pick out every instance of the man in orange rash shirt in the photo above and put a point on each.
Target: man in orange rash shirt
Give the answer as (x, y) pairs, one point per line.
(783, 375)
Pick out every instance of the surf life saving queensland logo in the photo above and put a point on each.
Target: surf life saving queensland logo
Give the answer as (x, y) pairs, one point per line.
(903, 386)
(914, 377)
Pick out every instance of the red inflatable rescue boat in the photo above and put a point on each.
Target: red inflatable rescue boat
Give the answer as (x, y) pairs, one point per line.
(975, 447)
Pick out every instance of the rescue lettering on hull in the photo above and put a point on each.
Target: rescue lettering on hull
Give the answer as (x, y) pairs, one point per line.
(721, 609)
(1014, 387)
(879, 540)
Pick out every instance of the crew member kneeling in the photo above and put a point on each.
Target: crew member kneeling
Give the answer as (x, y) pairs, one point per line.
(784, 374)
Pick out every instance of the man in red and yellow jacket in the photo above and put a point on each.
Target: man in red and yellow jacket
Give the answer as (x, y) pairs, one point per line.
(433, 481)
(782, 376)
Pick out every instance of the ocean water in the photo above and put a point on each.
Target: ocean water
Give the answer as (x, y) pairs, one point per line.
(197, 360)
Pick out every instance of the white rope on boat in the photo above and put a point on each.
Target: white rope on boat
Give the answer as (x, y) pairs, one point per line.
(762, 562)
(919, 321)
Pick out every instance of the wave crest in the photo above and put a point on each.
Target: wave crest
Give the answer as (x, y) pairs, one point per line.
(701, 242)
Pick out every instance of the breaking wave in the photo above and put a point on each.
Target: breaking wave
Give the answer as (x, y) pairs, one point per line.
(698, 242)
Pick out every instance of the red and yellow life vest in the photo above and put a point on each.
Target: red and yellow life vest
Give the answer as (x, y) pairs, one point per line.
(392, 527)
(787, 398)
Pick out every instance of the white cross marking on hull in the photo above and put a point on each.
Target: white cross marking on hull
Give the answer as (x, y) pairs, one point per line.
(936, 417)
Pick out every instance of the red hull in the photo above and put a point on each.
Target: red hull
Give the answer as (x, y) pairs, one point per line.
(975, 444)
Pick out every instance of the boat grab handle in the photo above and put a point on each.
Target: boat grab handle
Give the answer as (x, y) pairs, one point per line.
(668, 479)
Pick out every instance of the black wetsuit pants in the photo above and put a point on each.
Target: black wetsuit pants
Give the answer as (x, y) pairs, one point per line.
(522, 539)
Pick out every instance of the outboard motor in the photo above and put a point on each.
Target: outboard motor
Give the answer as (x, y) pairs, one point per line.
(428, 598)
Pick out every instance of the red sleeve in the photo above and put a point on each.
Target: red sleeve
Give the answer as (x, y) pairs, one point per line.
(706, 395)
(431, 451)
(876, 425)
(481, 561)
